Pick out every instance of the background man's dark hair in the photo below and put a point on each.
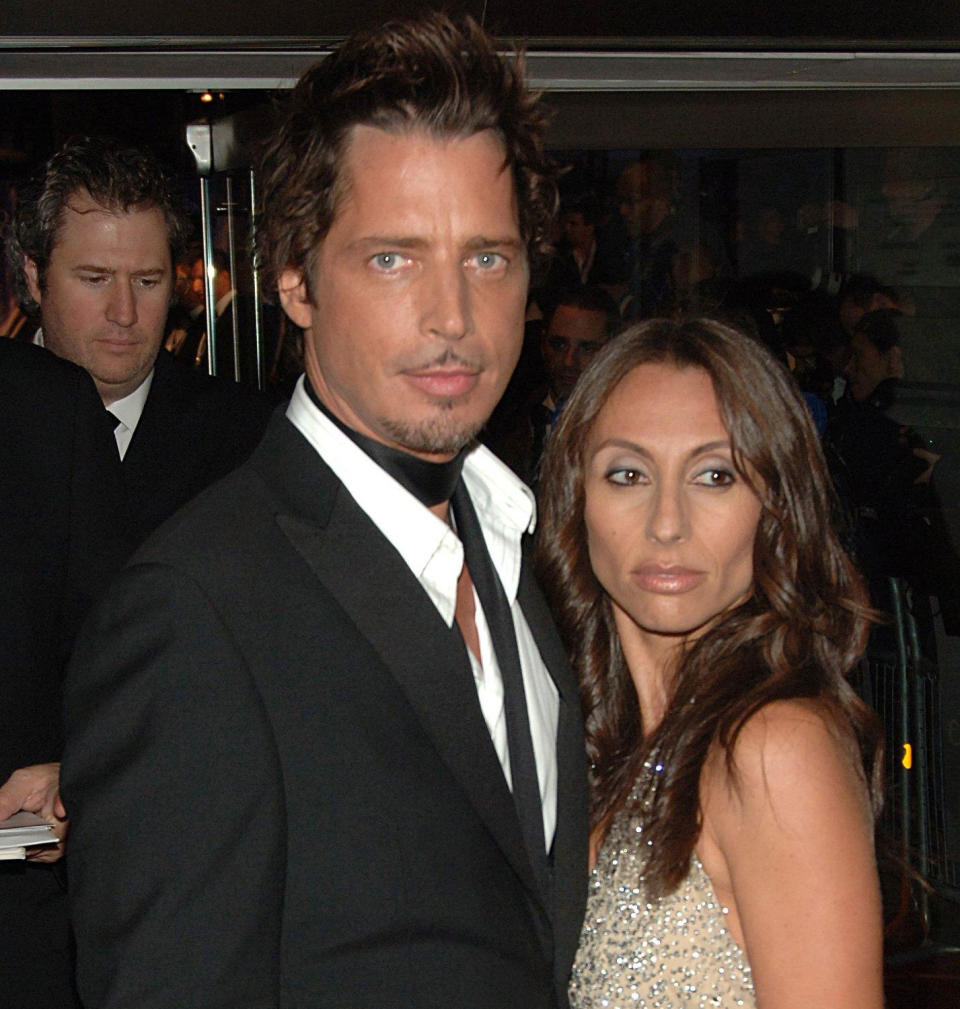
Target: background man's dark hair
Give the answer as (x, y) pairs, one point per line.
(880, 328)
(587, 206)
(860, 288)
(430, 74)
(221, 260)
(592, 299)
(117, 177)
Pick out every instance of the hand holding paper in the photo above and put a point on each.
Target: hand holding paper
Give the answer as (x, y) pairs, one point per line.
(36, 789)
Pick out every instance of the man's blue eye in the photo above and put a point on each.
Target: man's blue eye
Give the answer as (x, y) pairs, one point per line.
(387, 260)
(489, 260)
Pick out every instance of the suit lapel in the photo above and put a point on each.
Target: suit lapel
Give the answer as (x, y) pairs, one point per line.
(161, 417)
(570, 840)
(393, 613)
(544, 632)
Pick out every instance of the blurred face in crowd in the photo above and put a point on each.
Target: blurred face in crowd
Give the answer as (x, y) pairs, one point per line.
(770, 226)
(104, 300)
(670, 523)
(221, 282)
(197, 279)
(576, 231)
(851, 313)
(868, 366)
(414, 321)
(572, 338)
(645, 194)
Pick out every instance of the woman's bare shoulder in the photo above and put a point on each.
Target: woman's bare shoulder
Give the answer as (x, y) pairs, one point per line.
(796, 755)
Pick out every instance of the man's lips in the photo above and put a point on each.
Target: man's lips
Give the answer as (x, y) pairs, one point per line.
(667, 579)
(118, 343)
(447, 383)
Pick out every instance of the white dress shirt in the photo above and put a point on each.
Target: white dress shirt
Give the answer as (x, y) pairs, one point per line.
(127, 410)
(584, 261)
(433, 552)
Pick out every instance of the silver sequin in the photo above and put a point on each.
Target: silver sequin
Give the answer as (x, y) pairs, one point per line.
(654, 954)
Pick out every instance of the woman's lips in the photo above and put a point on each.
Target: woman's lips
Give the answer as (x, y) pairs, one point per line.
(667, 579)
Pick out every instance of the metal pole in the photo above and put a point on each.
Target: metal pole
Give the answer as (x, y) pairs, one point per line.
(921, 764)
(208, 300)
(257, 314)
(903, 691)
(231, 243)
(200, 142)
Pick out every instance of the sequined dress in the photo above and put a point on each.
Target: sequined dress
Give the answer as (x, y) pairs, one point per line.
(676, 951)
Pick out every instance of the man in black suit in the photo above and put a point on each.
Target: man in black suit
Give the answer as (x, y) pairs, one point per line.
(59, 516)
(582, 322)
(189, 344)
(95, 237)
(312, 757)
(583, 257)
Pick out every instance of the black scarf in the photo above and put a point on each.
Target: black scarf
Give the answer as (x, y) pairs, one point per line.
(431, 483)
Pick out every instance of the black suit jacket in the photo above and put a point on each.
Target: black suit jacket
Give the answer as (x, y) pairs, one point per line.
(194, 429)
(563, 276)
(59, 544)
(282, 787)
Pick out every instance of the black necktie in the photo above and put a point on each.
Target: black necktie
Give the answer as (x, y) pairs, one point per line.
(112, 419)
(496, 610)
(432, 483)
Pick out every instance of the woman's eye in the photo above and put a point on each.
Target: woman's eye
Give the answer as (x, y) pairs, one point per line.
(626, 476)
(715, 478)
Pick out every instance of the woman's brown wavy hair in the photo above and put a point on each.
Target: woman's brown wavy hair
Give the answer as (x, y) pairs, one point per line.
(798, 635)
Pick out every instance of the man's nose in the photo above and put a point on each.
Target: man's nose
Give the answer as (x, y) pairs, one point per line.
(122, 307)
(447, 312)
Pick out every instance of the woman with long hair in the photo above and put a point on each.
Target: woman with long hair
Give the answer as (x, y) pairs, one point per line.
(687, 547)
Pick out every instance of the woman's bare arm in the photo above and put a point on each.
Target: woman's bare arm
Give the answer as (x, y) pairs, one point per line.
(789, 845)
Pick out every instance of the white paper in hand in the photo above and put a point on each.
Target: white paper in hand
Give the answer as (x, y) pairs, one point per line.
(23, 830)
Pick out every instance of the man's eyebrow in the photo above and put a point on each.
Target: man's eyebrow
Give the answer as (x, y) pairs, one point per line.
(482, 242)
(389, 242)
(474, 244)
(94, 268)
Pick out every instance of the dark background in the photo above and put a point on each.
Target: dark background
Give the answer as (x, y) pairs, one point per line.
(618, 22)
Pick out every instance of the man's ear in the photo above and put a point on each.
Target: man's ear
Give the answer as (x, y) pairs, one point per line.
(292, 289)
(32, 274)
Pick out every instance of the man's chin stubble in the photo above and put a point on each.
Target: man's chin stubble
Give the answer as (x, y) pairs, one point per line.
(439, 436)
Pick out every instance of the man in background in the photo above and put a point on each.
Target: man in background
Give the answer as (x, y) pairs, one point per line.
(582, 322)
(582, 257)
(95, 237)
(672, 248)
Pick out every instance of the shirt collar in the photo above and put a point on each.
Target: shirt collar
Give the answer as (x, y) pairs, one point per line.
(429, 547)
(221, 306)
(130, 408)
(413, 529)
